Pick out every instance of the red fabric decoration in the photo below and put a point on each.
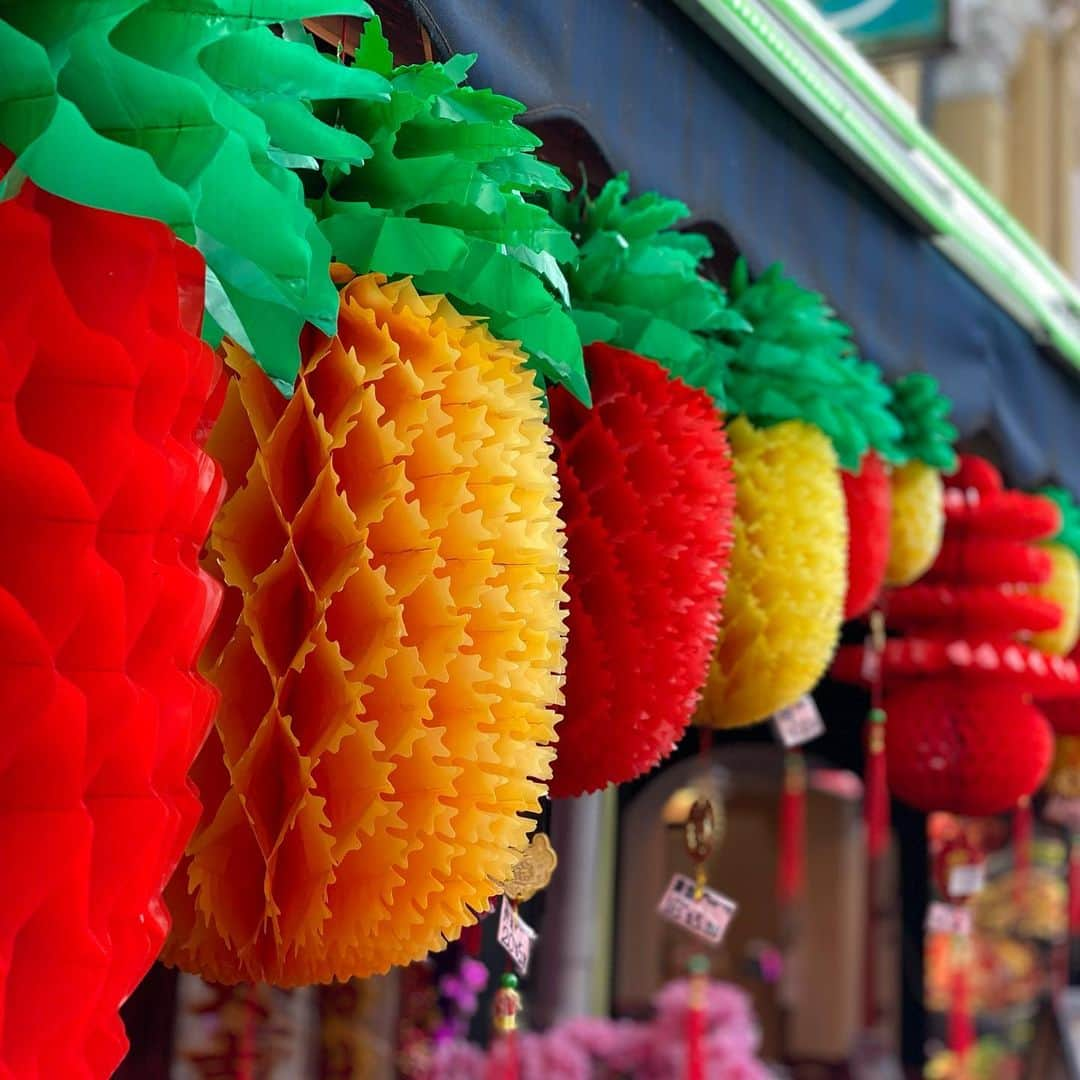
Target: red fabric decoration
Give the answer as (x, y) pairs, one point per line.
(960, 745)
(989, 561)
(992, 612)
(1064, 711)
(104, 388)
(1013, 667)
(648, 500)
(1008, 515)
(974, 473)
(869, 509)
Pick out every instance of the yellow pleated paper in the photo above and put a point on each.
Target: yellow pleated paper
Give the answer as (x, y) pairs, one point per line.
(1063, 589)
(917, 524)
(396, 567)
(785, 594)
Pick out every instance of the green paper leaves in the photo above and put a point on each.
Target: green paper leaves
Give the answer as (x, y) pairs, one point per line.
(1069, 534)
(634, 283)
(799, 363)
(923, 411)
(187, 111)
(441, 199)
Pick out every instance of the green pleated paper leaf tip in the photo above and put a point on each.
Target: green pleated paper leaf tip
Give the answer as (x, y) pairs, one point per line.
(441, 198)
(923, 411)
(1069, 533)
(190, 112)
(637, 283)
(798, 362)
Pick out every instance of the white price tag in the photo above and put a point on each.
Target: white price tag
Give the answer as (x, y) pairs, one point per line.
(1063, 811)
(707, 917)
(798, 723)
(967, 879)
(948, 919)
(516, 936)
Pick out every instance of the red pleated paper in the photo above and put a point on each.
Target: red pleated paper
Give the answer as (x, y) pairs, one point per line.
(869, 509)
(103, 609)
(647, 500)
(963, 733)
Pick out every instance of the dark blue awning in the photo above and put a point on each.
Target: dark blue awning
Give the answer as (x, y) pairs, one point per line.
(684, 117)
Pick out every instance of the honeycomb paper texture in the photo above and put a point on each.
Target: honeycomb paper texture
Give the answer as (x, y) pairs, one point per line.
(648, 500)
(868, 504)
(785, 594)
(107, 498)
(917, 524)
(391, 652)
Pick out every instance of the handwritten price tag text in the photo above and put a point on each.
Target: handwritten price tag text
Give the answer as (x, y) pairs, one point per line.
(798, 723)
(516, 936)
(708, 917)
(948, 919)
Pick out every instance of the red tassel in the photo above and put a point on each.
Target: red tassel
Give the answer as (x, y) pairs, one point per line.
(695, 1020)
(1021, 835)
(472, 938)
(961, 1030)
(791, 868)
(1074, 885)
(876, 799)
(511, 1062)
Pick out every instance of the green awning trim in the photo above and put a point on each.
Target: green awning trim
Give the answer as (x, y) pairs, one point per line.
(793, 45)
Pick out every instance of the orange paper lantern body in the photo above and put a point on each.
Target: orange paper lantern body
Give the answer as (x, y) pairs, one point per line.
(390, 653)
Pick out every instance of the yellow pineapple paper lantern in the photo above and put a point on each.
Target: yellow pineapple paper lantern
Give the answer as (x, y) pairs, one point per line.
(390, 652)
(785, 595)
(917, 526)
(1063, 589)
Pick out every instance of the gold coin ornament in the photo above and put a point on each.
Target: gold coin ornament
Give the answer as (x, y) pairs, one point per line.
(533, 871)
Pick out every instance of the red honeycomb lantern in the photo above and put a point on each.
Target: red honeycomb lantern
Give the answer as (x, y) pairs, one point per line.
(648, 499)
(107, 499)
(964, 748)
(869, 509)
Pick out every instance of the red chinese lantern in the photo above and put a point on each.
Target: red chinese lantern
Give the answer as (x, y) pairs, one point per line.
(967, 748)
(107, 499)
(647, 499)
(964, 735)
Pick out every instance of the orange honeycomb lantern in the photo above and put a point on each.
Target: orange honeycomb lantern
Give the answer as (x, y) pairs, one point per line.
(391, 650)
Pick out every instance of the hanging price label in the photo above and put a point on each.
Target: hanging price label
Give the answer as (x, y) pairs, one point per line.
(1063, 811)
(966, 879)
(948, 919)
(798, 723)
(516, 936)
(706, 916)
